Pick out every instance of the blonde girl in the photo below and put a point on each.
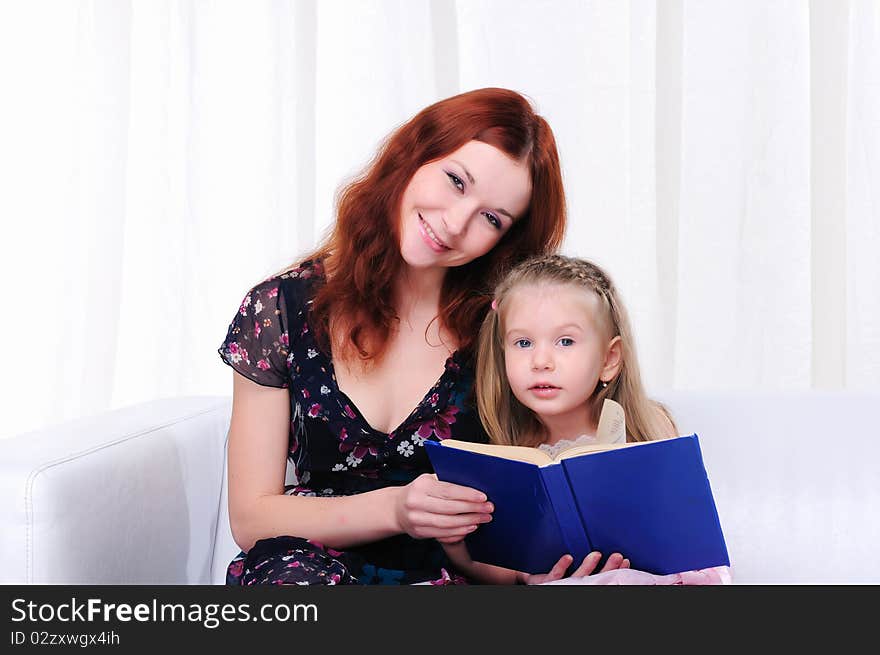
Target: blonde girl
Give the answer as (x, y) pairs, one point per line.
(519, 347)
(557, 344)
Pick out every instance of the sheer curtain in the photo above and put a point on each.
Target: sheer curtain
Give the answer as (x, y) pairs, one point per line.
(158, 157)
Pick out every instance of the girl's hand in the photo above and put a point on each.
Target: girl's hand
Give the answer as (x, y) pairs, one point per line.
(615, 561)
(428, 508)
(458, 553)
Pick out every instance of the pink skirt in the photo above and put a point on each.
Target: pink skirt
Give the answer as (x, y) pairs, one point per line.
(714, 576)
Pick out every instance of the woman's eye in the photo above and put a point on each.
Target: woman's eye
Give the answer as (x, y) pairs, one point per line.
(456, 180)
(522, 343)
(493, 220)
(565, 341)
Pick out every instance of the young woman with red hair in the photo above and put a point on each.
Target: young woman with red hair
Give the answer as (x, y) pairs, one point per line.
(348, 361)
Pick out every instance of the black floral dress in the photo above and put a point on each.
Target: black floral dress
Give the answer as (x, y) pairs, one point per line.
(333, 449)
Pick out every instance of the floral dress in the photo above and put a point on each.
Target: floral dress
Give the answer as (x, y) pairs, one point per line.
(333, 449)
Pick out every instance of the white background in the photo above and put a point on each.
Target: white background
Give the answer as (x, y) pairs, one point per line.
(158, 158)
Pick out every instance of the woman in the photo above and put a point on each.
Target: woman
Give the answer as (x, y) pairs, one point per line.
(347, 362)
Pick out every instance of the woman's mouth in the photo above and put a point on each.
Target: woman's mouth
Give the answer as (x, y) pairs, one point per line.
(430, 237)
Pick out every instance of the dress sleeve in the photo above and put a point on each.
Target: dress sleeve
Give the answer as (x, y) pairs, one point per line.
(257, 340)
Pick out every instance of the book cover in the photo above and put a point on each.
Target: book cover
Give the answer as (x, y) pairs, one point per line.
(649, 501)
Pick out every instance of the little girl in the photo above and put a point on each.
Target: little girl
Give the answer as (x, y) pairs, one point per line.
(556, 345)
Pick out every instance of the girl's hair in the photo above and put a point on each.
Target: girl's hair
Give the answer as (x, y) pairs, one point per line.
(361, 256)
(508, 421)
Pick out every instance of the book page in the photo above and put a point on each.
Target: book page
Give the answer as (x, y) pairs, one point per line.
(612, 423)
(518, 453)
(598, 448)
(610, 434)
(574, 451)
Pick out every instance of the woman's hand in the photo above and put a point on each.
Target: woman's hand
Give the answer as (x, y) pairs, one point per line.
(615, 561)
(428, 508)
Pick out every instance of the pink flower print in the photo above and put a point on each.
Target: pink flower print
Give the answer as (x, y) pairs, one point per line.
(234, 352)
(335, 578)
(236, 567)
(343, 434)
(305, 393)
(272, 292)
(440, 424)
(433, 399)
(446, 579)
(357, 450)
(305, 329)
(285, 341)
(257, 329)
(244, 305)
(361, 451)
(444, 421)
(237, 353)
(349, 412)
(333, 553)
(314, 410)
(263, 365)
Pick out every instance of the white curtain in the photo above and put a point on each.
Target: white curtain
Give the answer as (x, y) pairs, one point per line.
(158, 157)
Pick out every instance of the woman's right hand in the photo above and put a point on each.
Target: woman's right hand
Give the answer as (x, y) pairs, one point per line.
(427, 508)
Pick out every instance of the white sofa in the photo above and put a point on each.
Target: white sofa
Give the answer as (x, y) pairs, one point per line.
(137, 495)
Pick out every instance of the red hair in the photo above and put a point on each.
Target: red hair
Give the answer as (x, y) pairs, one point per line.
(361, 261)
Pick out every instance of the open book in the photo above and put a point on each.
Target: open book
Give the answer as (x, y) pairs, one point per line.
(650, 501)
(532, 455)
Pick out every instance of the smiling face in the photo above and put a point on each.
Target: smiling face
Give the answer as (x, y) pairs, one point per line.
(458, 207)
(557, 347)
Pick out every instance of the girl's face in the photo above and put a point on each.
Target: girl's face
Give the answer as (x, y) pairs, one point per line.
(457, 208)
(556, 349)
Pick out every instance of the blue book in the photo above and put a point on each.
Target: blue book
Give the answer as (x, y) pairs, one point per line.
(650, 501)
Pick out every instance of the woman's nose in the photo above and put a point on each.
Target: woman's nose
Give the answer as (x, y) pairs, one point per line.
(456, 217)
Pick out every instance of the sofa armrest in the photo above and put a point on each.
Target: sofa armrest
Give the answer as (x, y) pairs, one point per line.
(129, 496)
(796, 480)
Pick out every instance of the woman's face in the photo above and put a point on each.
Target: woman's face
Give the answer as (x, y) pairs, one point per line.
(457, 208)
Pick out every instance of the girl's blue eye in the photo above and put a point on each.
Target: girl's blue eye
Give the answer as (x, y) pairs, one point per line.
(522, 343)
(456, 181)
(565, 341)
(493, 220)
